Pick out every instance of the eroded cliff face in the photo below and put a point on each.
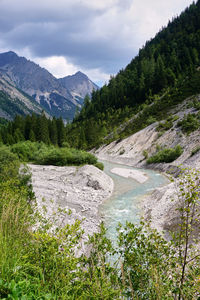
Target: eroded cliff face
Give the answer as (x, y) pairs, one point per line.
(131, 150)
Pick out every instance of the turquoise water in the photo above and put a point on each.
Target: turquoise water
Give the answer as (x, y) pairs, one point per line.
(123, 205)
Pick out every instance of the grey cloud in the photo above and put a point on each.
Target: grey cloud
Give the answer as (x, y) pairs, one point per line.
(67, 28)
(46, 34)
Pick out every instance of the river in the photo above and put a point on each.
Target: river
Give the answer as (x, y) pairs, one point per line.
(124, 204)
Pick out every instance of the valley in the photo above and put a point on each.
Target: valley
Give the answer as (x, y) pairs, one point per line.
(73, 155)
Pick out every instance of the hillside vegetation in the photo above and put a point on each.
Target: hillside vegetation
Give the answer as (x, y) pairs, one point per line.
(164, 73)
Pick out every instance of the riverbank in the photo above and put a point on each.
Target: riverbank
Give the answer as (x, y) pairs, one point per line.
(79, 190)
(159, 206)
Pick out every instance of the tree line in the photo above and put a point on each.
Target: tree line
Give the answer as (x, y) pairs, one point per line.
(34, 128)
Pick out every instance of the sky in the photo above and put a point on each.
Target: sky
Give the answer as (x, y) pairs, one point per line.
(97, 37)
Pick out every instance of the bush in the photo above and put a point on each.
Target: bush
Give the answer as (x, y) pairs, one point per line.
(64, 157)
(27, 151)
(196, 103)
(51, 155)
(195, 150)
(164, 126)
(150, 120)
(145, 154)
(99, 165)
(189, 123)
(166, 155)
(9, 164)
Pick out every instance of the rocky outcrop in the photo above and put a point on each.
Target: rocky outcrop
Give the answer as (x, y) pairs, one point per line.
(79, 85)
(78, 190)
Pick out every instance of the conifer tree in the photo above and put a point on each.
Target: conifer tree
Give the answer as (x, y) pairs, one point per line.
(60, 131)
(43, 131)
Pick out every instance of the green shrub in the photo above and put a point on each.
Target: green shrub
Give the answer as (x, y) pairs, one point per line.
(195, 150)
(175, 118)
(145, 154)
(41, 153)
(166, 155)
(196, 104)
(164, 126)
(64, 157)
(9, 164)
(27, 151)
(99, 165)
(189, 123)
(150, 120)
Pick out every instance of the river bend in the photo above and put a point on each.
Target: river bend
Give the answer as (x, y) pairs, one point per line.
(124, 204)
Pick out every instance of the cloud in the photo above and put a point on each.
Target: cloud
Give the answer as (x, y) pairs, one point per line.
(99, 36)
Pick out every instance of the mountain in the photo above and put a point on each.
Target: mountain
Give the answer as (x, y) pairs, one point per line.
(164, 73)
(52, 94)
(13, 101)
(79, 85)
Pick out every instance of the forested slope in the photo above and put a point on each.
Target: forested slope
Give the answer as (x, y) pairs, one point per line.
(162, 70)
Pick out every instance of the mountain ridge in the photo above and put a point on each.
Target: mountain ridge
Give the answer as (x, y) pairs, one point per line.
(48, 91)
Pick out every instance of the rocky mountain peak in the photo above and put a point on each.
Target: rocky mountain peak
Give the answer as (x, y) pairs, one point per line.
(7, 58)
(79, 84)
(58, 97)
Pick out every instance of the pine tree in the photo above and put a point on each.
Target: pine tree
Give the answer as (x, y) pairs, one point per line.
(18, 136)
(43, 131)
(53, 131)
(60, 131)
(32, 136)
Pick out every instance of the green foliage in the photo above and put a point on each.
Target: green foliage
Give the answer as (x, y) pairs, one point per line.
(164, 126)
(65, 156)
(150, 120)
(38, 261)
(195, 150)
(34, 128)
(164, 73)
(43, 154)
(166, 155)
(151, 267)
(9, 164)
(146, 263)
(99, 165)
(145, 154)
(28, 151)
(186, 235)
(189, 123)
(196, 104)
